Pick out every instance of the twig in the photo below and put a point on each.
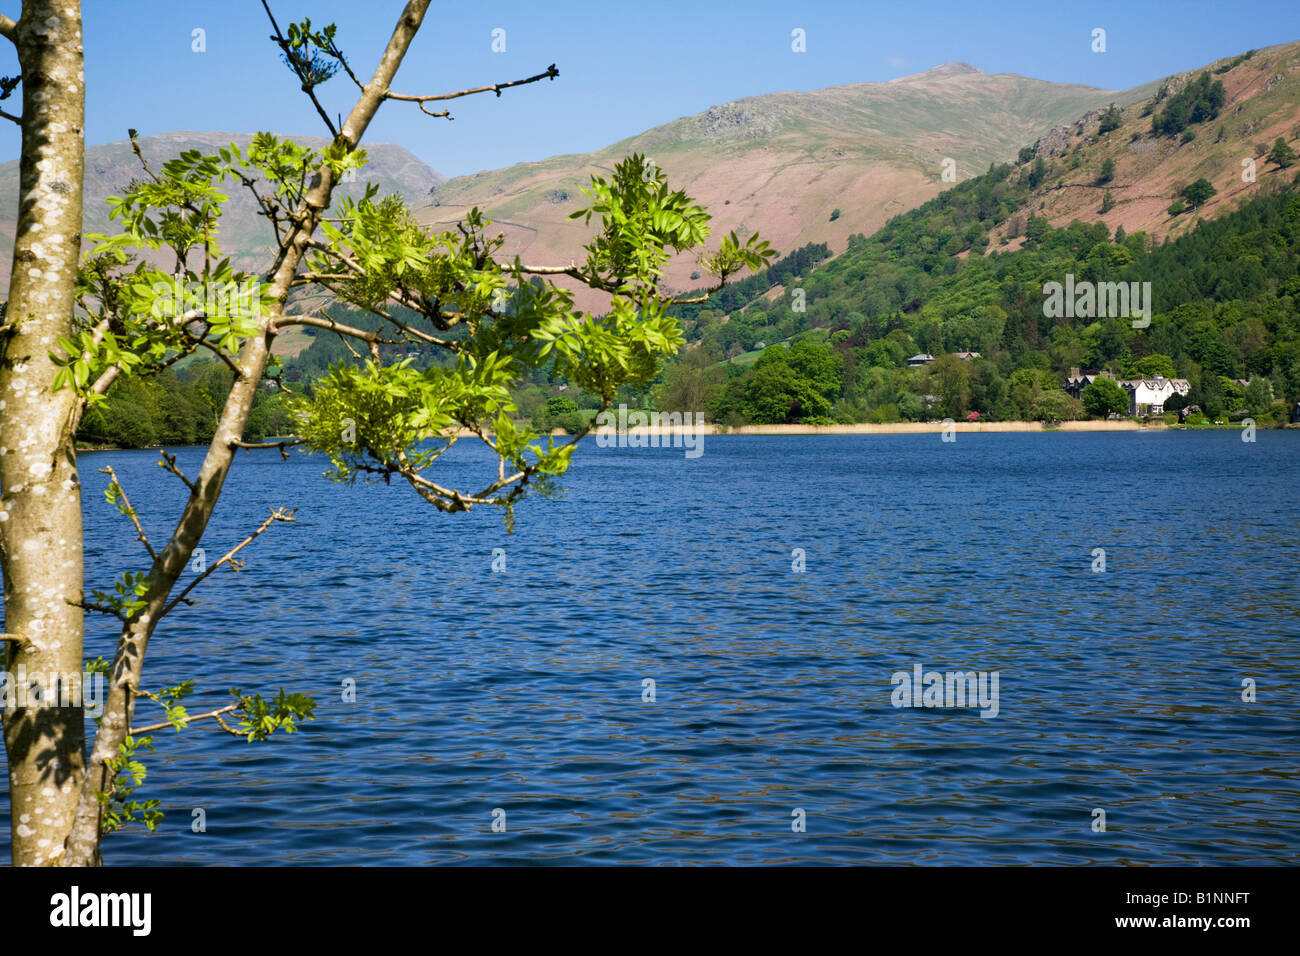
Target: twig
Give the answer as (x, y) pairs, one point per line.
(101, 608)
(215, 715)
(284, 446)
(127, 510)
(551, 73)
(221, 354)
(307, 86)
(168, 463)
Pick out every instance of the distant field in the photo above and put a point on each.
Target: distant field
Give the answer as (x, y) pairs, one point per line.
(291, 342)
(748, 358)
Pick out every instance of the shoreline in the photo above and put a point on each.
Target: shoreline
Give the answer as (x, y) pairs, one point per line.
(925, 428)
(889, 428)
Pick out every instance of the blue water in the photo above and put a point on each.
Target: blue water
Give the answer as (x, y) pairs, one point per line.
(523, 690)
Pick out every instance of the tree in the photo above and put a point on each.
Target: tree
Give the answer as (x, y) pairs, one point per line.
(835, 214)
(562, 413)
(1026, 385)
(41, 506)
(1107, 171)
(1258, 395)
(1200, 100)
(817, 363)
(1035, 229)
(1110, 120)
(1282, 154)
(1198, 192)
(1037, 173)
(496, 321)
(1107, 204)
(691, 383)
(1103, 396)
(1055, 406)
(776, 395)
(1151, 365)
(950, 377)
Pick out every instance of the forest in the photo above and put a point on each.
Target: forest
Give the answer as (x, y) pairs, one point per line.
(1225, 318)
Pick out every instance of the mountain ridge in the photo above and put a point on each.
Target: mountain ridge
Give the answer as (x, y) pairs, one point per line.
(782, 163)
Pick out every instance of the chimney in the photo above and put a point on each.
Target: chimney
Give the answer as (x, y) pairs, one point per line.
(1074, 371)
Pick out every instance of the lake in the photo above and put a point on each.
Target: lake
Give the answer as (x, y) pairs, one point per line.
(770, 733)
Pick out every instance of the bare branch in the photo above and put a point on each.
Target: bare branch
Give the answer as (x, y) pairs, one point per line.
(284, 446)
(551, 73)
(127, 510)
(8, 29)
(574, 272)
(704, 297)
(168, 463)
(271, 208)
(332, 326)
(101, 608)
(135, 148)
(279, 514)
(373, 338)
(221, 354)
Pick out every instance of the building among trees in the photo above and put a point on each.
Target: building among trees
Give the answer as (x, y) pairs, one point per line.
(1147, 395)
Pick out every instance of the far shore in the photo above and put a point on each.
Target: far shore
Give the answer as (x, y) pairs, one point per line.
(921, 428)
(910, 428)
(891, 428)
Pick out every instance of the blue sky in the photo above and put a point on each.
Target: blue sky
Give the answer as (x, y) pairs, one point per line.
(624, 67)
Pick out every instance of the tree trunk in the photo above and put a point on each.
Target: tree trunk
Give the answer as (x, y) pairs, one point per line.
(83, 843)
(40, 507)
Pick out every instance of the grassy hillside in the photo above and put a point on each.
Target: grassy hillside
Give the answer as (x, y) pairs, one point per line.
(1261, 103)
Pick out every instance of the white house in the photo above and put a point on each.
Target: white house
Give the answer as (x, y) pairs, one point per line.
(1147, 396)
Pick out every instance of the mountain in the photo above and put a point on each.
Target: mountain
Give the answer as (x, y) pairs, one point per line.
(964, 276)
(1261, 103)
(111, 167)
(1056, 181)
(782, 163)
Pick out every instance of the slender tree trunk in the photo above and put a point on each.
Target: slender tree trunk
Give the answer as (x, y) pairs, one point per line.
(83, 844)
(40, 507)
